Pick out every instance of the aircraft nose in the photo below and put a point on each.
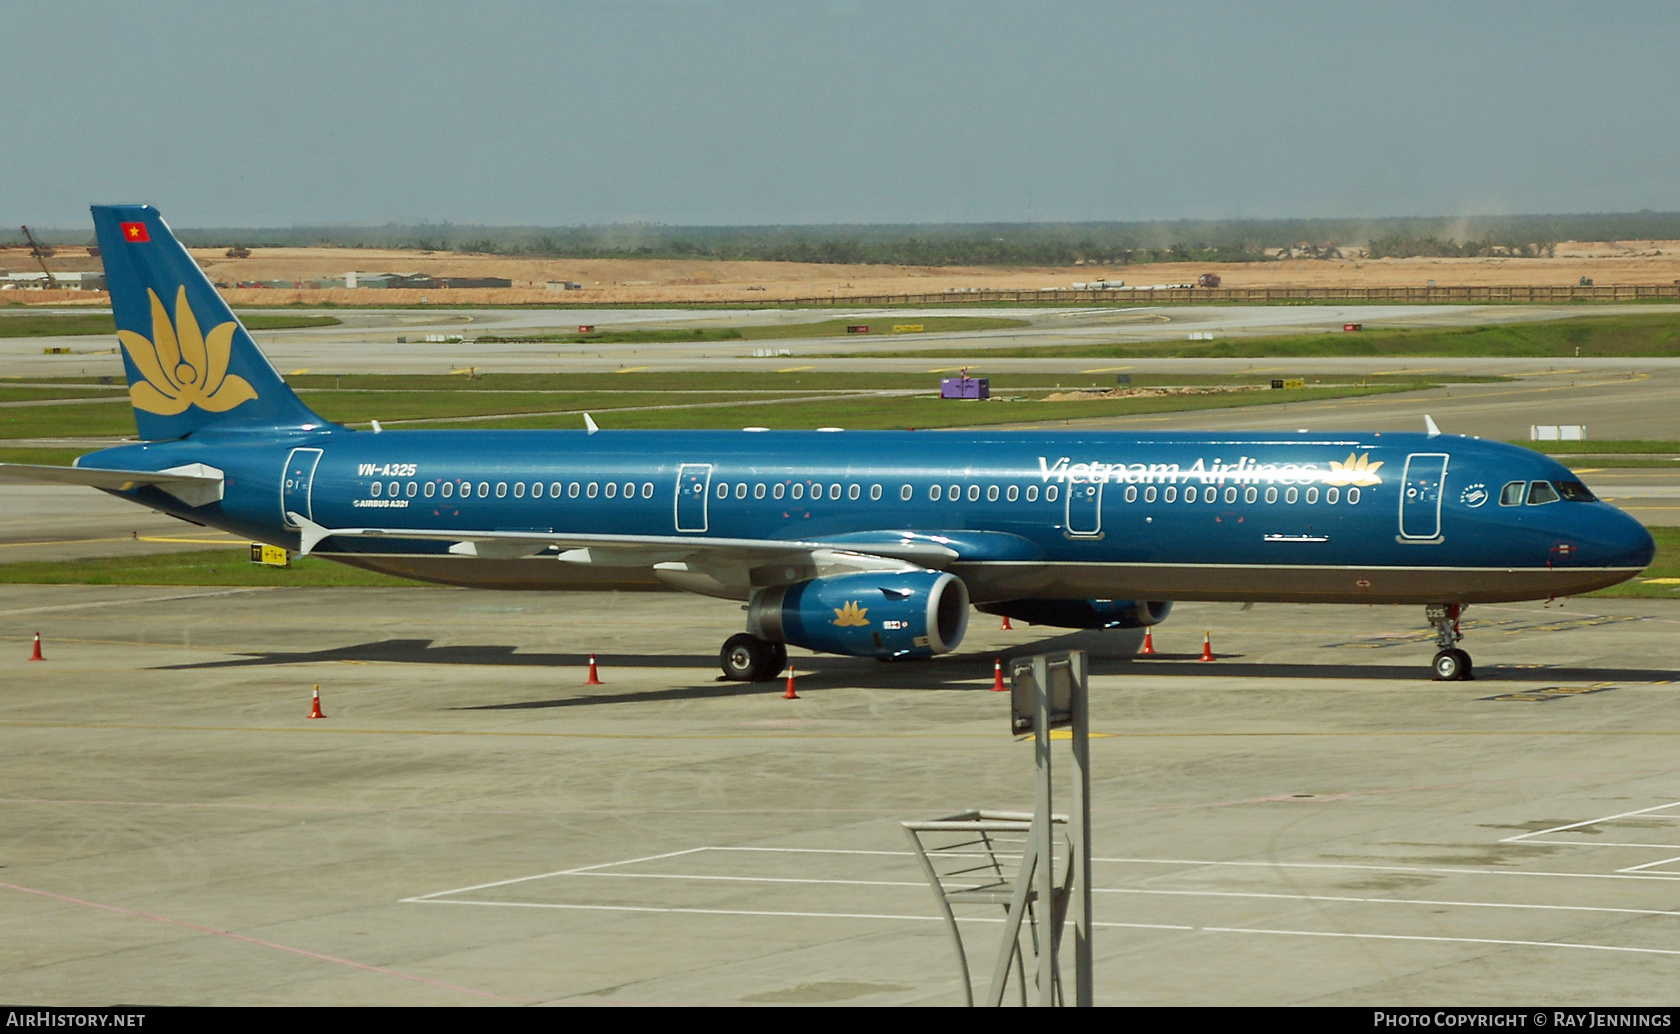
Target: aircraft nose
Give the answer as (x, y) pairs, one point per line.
(1625, 542)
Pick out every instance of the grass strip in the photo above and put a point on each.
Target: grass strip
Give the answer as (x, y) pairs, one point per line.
(85, 323)
(768, 332)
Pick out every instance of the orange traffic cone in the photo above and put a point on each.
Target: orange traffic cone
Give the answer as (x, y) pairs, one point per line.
(1005, 626)
(315, 703)
(593, 679)
(1207, 646)
(35, 655)
(788, 693)
(1148, 649)
(997, 677)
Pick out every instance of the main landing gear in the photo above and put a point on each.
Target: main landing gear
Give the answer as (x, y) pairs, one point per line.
(747, 658)
(1451, 664)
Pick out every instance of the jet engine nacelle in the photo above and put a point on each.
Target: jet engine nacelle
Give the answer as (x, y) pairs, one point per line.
(1084, 613)
(870, 614)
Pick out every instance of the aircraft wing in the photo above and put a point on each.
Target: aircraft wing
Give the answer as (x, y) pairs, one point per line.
(194, 484)
(637, 550)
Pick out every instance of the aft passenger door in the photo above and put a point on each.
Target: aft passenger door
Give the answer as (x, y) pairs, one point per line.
(1420, 496)
(295, 484)
(693, 482)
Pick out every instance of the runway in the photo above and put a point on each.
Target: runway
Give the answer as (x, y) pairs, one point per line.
(1305, 821)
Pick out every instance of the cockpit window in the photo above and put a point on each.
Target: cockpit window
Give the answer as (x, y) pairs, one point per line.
(1512, 493)
(1575, 492)
(1540, 492)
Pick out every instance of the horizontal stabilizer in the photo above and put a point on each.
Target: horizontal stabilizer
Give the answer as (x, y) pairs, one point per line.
(194, 484)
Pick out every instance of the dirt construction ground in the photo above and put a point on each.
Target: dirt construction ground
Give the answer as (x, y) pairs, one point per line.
(616, 281)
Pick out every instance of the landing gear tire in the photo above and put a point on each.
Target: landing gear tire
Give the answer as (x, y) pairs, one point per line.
(1453, 666)
(747, 658)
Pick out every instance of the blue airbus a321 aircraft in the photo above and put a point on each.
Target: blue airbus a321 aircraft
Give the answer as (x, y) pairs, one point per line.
(869, 544)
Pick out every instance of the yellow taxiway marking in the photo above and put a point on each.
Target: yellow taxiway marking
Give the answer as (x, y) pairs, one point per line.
(1106, 369)
(795, 369)
(945, 369)
(631, 369)
(1660, 581)
(295, 373)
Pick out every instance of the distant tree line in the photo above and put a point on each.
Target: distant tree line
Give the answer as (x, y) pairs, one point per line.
(968, 244)
(1397, 246)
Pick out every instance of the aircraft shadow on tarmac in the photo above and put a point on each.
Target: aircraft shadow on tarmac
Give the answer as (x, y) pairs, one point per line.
(1109, 654)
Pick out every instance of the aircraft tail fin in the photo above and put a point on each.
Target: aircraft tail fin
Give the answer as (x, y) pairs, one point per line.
(190, 362)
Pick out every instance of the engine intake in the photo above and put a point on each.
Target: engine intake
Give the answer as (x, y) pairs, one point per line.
(1083, 613)
(870, 614)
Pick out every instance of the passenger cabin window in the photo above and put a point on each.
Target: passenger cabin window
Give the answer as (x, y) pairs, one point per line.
(591, 490)
(376, 489)
(518, 490)
(647, 490)
(853, 491)
(934, 492)
(758, 490)
(798, 491)
(777, 490)
(1512, 493)
(1050, 494)
(1169, 495)
(740, 490)
(1013, 494)
(905, 493)
(572, 490)
(1032, 493)
(501, 489)
(611, 489)
(430, 488)
(1541, 492)
(875, 492)
(554, 490)
(448, 489)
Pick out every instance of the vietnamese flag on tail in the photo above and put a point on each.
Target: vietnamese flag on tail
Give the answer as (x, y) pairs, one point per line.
(136, 232)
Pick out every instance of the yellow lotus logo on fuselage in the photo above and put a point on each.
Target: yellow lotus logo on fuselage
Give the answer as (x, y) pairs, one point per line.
(182, 367)
(1355, 470)
(851, 616)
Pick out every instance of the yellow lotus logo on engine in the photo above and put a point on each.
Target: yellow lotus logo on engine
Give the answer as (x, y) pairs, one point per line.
(1355, 470)
(851, 615)
(183, 367)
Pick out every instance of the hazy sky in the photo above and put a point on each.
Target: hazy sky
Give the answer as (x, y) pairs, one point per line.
(848, 111)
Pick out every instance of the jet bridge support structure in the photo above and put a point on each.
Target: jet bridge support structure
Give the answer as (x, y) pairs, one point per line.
(1037, 864)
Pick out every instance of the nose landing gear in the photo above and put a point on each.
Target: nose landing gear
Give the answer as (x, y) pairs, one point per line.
(1451, 664)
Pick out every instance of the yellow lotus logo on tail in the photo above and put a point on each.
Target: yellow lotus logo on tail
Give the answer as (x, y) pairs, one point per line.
(183, 367)
(851, 616)
(1355, 470)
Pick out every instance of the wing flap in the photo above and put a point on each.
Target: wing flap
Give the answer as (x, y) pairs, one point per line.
(630, 550)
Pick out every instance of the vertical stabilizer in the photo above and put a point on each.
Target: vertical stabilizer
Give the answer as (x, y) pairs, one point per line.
(190, 362)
